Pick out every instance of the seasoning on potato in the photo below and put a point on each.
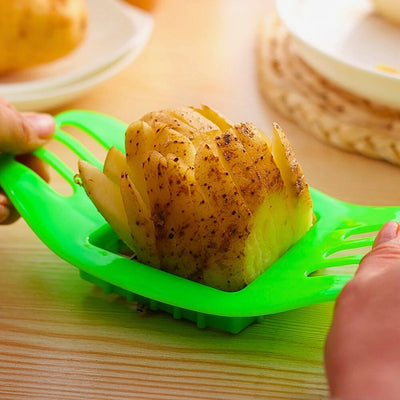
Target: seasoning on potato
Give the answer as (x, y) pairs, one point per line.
(201, 197)
(34, 32)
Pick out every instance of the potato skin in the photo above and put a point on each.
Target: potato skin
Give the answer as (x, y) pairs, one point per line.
(34, 32)
(206, 199)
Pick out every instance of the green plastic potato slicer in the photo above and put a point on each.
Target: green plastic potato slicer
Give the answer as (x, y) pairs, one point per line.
(86, 241)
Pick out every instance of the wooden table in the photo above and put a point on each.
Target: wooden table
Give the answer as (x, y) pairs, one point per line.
(62, 338)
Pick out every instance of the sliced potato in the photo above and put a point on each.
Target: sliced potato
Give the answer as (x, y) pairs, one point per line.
(256, 139)
(243, 170)
(206, 199)
(233, 218)
(300, 202)
(184, 218)
(157, 119)
(139, 139)
(140, 224)
(205, 129)
(106, 196)
(258, 148)
(213, 115)
(114, 165)
(154, 168)
(194, 119)
(169, 141)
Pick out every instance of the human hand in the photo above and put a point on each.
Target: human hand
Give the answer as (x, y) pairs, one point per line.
(362, 354)
(21, 133)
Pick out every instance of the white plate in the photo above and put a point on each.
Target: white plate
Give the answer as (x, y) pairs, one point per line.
(346, 41)
(115, 29)
(49, 98)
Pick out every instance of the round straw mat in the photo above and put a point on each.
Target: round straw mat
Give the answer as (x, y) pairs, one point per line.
(317, 105)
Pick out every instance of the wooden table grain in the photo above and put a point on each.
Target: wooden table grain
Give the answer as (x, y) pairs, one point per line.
(62, 338)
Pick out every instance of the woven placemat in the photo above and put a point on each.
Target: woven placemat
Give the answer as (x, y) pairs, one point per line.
(317, 105)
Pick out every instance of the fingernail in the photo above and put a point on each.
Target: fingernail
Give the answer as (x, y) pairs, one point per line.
(43, 124)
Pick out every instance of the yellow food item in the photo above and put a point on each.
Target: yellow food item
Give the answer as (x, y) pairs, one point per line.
(387, 68)
(33, 32)
(388, 9)
(203, 198)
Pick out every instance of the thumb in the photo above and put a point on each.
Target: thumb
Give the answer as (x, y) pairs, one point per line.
(385, 251)
(388, 232)
(23, 132)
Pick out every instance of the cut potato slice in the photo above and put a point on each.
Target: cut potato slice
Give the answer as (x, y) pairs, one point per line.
(194, 119)
(300, 202)
(259, 150)
(139, 139)
(140, 224)
(213, 115)
(154, 168)
(205, 129)
(114, 165)
(184, 218)
(106, 196)
(233, 218)
(159, 118)
(169, 141)
(244, 172)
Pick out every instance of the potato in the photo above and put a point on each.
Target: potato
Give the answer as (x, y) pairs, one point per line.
(139, 139)
(142, 239)
(213, 115)
(183, 219)
(299, 198)
(224, 268)
(169, 141)
(106, 196)
(158, 119)
(154, 168)
(207, 199)
(34, 32)
(115, 164)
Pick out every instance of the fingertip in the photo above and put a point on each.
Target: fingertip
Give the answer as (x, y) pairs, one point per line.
(42, 124)
(389, 231)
